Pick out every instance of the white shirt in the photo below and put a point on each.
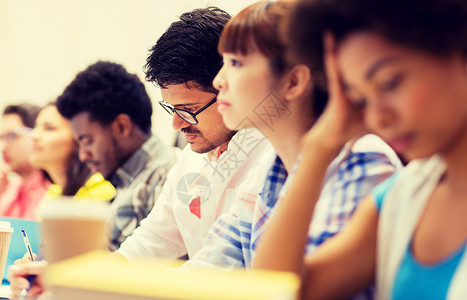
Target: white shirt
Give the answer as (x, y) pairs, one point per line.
(197, 191)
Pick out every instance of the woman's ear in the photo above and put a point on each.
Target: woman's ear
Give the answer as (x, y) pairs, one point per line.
(298, 82)
(121, 126)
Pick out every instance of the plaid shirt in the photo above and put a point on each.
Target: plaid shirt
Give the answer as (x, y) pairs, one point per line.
(351, 176)
(138, 182)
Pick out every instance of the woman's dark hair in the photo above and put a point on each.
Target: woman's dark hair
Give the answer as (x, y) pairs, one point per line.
(259, 28)
(435, 26)
(77, 172)
(27, 113)
(187, 51)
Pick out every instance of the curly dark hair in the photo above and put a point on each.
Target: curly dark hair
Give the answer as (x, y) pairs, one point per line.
(187, 51)
(26, 112)
(438, 27)
(105, 90)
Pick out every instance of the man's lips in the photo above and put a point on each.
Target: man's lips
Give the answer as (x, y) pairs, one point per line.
(190, 137)
(190, 133)
(93, 166)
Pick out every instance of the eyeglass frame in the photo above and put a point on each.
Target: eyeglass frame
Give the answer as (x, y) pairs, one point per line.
(11, 136)
(171, 110)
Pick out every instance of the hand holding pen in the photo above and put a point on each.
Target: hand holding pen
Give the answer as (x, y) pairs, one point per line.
(18, 276)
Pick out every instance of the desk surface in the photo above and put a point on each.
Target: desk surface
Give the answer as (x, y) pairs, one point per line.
(99, 275)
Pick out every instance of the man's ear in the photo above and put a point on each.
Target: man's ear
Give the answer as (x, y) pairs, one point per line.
(298, 82)
(122, 126)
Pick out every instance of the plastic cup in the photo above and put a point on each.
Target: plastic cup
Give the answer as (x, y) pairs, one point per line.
(73, 227)
(5, 237)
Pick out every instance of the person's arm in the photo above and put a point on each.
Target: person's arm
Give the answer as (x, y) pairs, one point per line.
(158, 235)
(290, 223)
(283, 244)
(231, 238)
(222, 248)
(345, 264)
(346, 261)
(227, 243)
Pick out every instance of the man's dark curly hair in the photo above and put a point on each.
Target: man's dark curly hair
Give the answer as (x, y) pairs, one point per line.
(187, 51)
(105, 90)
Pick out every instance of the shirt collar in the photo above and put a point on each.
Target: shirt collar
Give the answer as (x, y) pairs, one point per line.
(138, 161)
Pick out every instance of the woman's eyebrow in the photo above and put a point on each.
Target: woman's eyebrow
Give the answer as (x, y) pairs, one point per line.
(377, 65)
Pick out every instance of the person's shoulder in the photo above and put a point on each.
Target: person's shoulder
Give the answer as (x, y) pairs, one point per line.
(372, 148)
(156, 149)
(372, 143)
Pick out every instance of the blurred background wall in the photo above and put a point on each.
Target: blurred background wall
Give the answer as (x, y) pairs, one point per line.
(44, 43)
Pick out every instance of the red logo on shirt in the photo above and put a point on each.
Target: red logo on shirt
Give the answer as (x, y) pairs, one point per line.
(193, 190)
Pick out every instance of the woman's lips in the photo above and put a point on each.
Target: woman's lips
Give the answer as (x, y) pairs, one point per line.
(222, 105)
(400, 143)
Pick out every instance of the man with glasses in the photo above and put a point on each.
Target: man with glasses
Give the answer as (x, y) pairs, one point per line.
(186, 115)
(203, 183)
(21, 185)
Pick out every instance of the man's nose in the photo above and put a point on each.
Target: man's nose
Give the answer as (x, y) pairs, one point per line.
(178, 123)
(84, 154)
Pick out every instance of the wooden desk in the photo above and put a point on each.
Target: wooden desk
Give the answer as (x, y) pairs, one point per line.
(101, 276)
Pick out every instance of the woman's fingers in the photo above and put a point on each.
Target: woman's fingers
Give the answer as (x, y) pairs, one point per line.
(332, 71)
(17, 276)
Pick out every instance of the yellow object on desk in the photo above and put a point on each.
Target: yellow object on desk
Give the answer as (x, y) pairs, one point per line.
(98, 275)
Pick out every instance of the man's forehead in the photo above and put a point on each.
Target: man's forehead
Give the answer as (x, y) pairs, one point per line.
(181, 94)
(83, 122)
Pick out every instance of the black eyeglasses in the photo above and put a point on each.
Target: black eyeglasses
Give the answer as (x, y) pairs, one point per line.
(185, 115)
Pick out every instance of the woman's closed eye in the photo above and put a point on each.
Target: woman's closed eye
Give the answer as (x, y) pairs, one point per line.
(49, 127)
(356, 99)
(357, 103)
(392, 83)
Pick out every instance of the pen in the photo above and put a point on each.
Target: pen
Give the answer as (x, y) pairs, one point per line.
(26, 243)
(28, 248)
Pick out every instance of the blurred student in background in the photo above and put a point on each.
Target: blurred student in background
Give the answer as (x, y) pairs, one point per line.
(22, 186)
(56, 152)
(110, 116)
